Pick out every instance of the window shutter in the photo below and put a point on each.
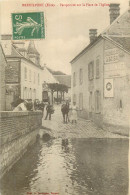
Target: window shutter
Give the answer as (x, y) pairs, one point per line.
(97, 68)
(99, 101)
(92, 70)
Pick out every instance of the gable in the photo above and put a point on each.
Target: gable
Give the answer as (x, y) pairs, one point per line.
(48, 77)
(2, 57)
(120, 27)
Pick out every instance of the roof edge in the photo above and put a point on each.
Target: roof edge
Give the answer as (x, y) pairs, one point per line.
(86, 48)
(107, 28)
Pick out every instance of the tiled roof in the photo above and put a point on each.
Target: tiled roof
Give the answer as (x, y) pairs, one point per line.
(64, 79)
(113, 33)
(123, 41)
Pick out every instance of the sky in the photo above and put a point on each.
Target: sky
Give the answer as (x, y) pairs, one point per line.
(66, 28)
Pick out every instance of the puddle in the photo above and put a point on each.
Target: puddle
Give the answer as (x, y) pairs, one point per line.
(70, 167)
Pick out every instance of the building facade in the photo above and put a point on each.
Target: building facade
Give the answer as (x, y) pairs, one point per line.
(2, 79)
(101, 74)
(47, 77)
(23, 73)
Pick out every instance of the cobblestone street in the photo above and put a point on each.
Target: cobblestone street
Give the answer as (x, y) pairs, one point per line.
(83, 128)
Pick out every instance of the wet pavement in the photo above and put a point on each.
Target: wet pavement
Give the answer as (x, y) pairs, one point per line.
(82, 129)
(90, 166)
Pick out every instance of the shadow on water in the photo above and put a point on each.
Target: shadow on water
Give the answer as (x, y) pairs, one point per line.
(70, 167)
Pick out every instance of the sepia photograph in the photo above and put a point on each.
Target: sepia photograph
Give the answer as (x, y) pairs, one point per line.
(64, 97)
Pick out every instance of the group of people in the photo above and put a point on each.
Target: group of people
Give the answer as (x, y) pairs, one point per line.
(69, 112)
(27, 105)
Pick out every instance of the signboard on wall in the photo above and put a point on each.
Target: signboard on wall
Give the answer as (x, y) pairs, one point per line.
(108, 88)
(111, 55)
(114, 70)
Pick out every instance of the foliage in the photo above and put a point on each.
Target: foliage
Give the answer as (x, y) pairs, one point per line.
(57, 87)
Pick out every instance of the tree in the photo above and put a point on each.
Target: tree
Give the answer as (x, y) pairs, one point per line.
(59, 88)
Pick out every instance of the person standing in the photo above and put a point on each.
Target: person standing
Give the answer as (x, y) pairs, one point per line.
(49, 111)
(65, 111)
(41, 107)
(74, 113)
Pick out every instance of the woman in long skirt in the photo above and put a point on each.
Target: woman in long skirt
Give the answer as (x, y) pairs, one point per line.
(74, 113)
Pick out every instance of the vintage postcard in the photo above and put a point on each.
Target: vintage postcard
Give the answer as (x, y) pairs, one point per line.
(64, 97)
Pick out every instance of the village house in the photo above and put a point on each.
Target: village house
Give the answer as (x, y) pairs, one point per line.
(47, 77)
(3, 64)
(51, 78)
(101, 74)
(23, 71)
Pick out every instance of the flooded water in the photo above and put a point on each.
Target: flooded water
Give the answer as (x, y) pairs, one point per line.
(71, 167)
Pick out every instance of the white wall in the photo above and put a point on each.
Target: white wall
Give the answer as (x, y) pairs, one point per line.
(30, 88)
(47, 76)
(82, 63)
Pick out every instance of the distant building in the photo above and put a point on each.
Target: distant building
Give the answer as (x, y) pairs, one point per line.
(101, 74)
(47, 77)
(23, 71)
(2, 79)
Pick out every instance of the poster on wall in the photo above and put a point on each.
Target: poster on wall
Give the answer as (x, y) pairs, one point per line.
(108, 88)
(52, 107)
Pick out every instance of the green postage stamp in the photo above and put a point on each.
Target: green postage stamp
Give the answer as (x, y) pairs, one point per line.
(28, 25)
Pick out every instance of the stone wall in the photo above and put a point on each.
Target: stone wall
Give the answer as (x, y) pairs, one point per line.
(116, 110)
(12, 73)
(18, 130)
(12, 78)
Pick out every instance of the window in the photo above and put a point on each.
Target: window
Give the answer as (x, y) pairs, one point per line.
(34, 94)
(38, 79)
(34, 78)
(90, 102)
(121, 104)
(80, 101)
(30, 96)
(25, 73)
(91, 70)
(28, 93)
(30, 75)
(74, 98)
(80, 76)
(97, 101)
(97, 68)
(74, 79)
(24, 93)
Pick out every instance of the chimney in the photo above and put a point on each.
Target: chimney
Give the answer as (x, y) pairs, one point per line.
(6, 37)
(114, 11)
(92, 34)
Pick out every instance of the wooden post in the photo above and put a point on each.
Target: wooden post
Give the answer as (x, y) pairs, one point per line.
(52, 96)
(57, 96)
(63, 95)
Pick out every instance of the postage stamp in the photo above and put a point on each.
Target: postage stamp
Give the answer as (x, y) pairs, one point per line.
(28, 25)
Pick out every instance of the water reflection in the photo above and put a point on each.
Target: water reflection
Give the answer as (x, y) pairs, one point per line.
(71, 167)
